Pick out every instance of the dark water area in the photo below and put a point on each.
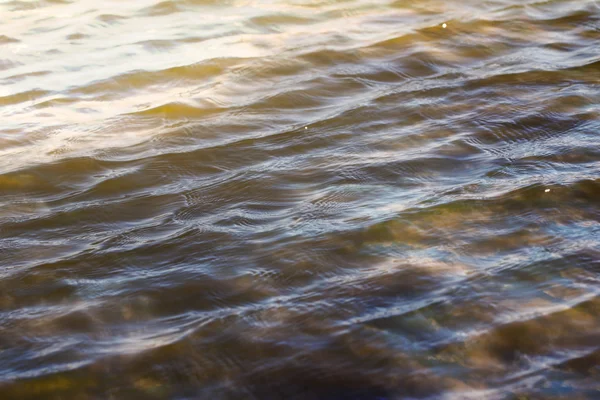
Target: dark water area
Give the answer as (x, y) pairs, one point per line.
(340, 200)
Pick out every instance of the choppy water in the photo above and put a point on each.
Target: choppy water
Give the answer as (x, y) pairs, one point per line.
(300, 199)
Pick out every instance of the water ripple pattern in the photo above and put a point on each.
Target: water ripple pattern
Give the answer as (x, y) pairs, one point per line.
(342, 199)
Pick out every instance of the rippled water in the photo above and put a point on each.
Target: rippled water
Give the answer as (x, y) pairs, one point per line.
(300, 199)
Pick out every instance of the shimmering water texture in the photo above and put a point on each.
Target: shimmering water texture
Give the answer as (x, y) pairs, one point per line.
(300, 199)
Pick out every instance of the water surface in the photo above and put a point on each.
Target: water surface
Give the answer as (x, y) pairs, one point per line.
(300, 199)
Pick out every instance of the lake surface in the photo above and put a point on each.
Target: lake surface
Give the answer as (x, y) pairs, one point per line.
(304, 199)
